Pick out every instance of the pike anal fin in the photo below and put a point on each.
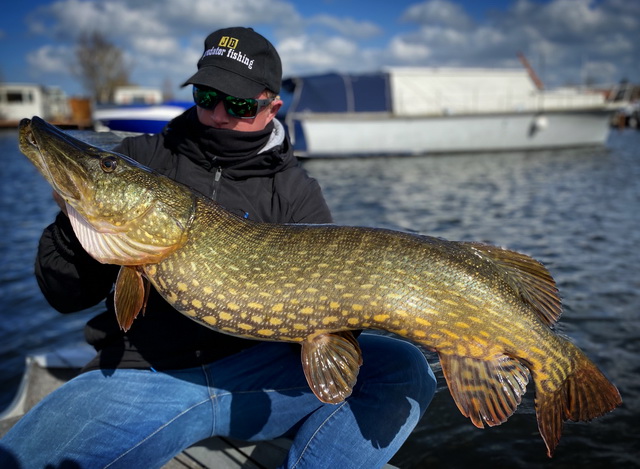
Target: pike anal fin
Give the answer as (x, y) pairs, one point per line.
(131, 294)
(331, 363)
(486, 391)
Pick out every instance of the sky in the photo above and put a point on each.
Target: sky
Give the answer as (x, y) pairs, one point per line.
(568, 42)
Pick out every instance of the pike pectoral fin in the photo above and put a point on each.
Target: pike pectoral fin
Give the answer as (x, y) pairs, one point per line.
(131, 293)
(486, 391)
(331, 363)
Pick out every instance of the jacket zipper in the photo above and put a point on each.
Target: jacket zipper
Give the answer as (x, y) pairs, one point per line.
(216, 183)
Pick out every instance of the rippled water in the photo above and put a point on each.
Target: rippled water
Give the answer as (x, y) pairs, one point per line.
(576, 211)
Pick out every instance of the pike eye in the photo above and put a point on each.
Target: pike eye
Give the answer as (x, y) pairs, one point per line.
(108, 164)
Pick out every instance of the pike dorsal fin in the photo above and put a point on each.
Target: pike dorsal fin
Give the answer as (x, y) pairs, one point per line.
(528, 277)
(331, 363)
(486, 391)
(131, 294)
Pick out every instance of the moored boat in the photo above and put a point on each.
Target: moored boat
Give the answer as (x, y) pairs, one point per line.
(405, 111)
(142, 118)
(137, 109)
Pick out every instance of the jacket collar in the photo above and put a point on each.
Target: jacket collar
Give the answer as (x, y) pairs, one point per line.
(239, 155)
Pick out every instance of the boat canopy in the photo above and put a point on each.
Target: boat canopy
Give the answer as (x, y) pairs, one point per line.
(423, 91)
(339, 93)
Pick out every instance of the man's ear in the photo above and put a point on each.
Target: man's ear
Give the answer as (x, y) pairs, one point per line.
(274, 108)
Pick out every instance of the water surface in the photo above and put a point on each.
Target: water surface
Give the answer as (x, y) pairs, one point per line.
(575, 210)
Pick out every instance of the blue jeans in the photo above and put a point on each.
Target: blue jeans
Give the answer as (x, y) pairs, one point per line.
(142, 418)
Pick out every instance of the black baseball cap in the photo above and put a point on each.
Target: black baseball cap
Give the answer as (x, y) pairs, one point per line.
(239, 62)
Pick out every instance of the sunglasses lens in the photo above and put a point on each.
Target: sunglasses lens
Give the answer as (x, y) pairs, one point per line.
(242, 108)
(206, 99)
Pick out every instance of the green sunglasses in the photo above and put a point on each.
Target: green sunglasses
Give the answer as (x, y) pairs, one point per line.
(240, 108)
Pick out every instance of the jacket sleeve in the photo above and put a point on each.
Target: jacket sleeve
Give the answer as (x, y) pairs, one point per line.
(68, 277)
(141, 148)
(308, 204)
(124, 146)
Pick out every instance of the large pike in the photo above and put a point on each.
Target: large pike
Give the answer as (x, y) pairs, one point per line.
(486, 311)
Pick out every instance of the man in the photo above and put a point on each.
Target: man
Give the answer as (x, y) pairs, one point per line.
(168, 382)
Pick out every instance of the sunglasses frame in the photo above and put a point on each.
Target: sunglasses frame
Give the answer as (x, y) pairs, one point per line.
(229, 101)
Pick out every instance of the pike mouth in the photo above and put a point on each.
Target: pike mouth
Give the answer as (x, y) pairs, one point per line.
(30, 146)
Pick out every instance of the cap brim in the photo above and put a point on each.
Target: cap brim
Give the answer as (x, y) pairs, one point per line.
(226, 81)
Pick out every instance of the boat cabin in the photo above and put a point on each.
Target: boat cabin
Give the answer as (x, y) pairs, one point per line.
(20, 100)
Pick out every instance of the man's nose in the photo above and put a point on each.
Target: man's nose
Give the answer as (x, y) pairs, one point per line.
(220, 115)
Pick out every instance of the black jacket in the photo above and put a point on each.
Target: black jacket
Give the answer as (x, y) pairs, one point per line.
(265, 185)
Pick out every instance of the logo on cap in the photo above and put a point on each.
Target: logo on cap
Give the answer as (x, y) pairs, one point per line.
(227, 41)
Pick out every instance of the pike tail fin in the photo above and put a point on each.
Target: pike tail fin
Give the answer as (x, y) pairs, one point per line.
(585, 395)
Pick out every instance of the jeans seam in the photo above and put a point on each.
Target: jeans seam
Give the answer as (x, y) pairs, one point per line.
(261, 391)
(165, 425)
(212, 397)
(320, 427)
(162, 427)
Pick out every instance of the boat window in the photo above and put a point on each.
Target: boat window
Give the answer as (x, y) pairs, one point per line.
(14, 97)
(17, 96)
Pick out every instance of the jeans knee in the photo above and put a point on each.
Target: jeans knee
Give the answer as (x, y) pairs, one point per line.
(402, 365)
(420, 379)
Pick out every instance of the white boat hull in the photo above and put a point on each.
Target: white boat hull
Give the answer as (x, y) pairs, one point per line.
(142, 119)
(359, 135)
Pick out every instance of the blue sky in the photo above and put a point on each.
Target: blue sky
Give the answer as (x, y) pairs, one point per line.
(567, 41)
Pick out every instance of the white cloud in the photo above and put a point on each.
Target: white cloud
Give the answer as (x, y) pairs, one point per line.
(310, 54)
(205, 16)
(155, 45)
(408, 52)
(555, 35)
(347, 26)
(438, 12)
(597, 72)
(163, 39)
(68, 19)
(572, 16)
(51, 59)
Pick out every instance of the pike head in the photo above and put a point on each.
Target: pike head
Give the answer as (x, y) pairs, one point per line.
(122, 212)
